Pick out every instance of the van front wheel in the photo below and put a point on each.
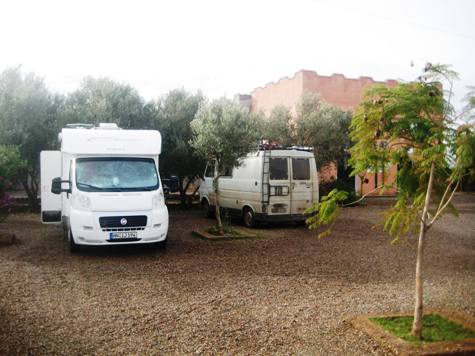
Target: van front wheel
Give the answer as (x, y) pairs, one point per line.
(248, 217)
(73, 247)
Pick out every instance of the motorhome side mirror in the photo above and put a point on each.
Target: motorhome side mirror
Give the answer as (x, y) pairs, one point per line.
(57, 186)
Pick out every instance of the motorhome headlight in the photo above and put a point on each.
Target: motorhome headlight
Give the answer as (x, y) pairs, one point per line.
(83, 201)
(156, 200)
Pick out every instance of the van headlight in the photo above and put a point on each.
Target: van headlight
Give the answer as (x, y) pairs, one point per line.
(83, 201)
(157, 199)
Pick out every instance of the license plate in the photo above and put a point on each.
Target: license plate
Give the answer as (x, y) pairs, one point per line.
(122, 235)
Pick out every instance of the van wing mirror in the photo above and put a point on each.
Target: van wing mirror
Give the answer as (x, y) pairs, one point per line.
(57, 186)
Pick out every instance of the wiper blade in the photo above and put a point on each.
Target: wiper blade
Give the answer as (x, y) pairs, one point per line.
(90, 186)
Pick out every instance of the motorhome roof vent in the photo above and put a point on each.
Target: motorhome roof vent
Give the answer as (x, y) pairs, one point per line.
(108, 126)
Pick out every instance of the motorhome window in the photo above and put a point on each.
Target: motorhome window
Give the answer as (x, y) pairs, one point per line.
(300, 168)
(278, 169)
(116, 174)
(209, 171)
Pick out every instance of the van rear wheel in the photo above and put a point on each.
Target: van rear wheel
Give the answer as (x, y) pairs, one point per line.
(209, 210)
(248, 217)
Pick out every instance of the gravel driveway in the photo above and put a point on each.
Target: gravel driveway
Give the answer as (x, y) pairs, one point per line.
(283, 293)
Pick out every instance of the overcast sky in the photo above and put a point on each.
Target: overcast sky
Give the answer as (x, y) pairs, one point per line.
(226, 47)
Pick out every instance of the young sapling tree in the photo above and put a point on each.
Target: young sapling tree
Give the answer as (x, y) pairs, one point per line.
(414, 127)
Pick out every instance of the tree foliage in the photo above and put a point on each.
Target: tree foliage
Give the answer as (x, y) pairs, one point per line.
(325, 128)
(280, 126)
(104, 100)
(173, 115)
(317, 124)
(28, 114)
(223, 133)
(10, 165)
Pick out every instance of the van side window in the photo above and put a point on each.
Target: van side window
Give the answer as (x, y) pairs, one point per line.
(278, 169)
(300, 169)
(209, 173)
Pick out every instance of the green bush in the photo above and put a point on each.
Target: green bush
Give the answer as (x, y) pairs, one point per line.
(10, 164)
(342, 185)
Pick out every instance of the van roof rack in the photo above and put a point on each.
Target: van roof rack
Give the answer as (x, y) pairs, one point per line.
(79, 126)
(265, 146)
(100, 126)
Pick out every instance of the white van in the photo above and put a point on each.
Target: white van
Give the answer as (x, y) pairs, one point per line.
(103, 186)
(269, 185)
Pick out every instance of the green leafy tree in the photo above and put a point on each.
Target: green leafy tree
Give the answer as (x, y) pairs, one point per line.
(10, 166)
(413, 126)
(223, 133)
(325, 128)
(28, 114)
(173, 114)
(280, 126)
(317, 124)
(104, 100)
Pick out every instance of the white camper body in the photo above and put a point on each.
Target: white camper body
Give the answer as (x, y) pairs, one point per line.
(269, 185)
(104, 186)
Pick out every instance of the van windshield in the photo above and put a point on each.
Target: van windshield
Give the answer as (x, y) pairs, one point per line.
(116, 174)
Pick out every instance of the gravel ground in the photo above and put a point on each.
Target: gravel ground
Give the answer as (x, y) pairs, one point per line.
(283, 293)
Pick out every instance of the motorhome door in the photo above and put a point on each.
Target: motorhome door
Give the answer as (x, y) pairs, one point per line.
(301, 185)
(50, 166)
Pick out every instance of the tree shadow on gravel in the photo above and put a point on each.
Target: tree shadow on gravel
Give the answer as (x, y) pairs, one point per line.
(120, 251)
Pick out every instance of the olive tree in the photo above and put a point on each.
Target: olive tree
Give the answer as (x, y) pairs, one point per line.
(104, 100)
(10, 165)
(223, 133)
(410, 125)
(28, 114)
(323, 127)
(316, 124)
(280, 126)
(173, 115)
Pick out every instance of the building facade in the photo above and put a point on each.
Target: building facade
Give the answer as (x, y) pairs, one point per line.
(337, 90)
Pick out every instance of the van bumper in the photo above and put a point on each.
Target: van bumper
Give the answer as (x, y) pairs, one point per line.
(87, 231)
(281, 217)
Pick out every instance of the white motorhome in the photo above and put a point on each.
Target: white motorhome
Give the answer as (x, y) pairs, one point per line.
(269, 185)
(103, 186)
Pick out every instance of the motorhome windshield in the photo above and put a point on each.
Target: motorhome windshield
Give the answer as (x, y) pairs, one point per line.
(116, 174)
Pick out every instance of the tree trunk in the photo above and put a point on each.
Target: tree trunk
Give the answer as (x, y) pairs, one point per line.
(31, 190)
(182, 191)
(218, 212)
(418, 306)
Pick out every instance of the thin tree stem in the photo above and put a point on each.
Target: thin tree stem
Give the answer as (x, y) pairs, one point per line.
(440, 210)
(418, 305)
(364, 196)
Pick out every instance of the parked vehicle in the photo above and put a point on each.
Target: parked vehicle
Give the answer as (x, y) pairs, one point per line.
(103, 186)
(171, 184)
(269, 185)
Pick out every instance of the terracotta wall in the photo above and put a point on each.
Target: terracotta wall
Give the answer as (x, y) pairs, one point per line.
(337, 90)
(287, 92)
(345, 93)
(372, 180)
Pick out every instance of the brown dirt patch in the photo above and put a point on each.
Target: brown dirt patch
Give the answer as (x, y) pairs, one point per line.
(285, 293)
